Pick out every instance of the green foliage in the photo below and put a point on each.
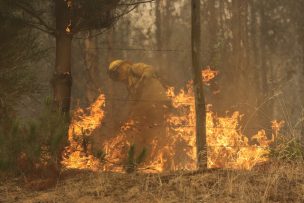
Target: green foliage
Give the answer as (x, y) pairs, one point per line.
(18, 49)
(133, 161)
(38, 143)
(288, 149)
(101, 155)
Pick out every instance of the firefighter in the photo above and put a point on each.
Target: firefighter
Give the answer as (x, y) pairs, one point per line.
(147, 102)
(144, 87)
(135, 76)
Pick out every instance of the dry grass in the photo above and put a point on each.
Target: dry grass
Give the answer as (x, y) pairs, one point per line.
(275, 182)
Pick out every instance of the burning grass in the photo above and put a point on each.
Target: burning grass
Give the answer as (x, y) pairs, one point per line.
(228, 149)
(81, 127)
(227, 146)
(273, 182)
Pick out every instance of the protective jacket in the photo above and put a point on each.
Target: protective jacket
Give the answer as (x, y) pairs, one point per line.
(138, 75)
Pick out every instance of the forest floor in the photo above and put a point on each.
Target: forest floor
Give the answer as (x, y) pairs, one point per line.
(273, 182)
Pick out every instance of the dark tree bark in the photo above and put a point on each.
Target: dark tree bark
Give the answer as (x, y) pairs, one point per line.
(200, 107)
(62, 80)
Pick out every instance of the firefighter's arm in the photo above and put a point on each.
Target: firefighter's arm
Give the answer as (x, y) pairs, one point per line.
(143, 72)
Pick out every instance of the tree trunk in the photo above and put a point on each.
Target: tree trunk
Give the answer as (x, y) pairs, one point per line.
(91, 67)
(301, 82)
(268, 108)
(110, 57)
(200, 108)
(236, 41)
(159, 31)
(62, 80)
(213, 30)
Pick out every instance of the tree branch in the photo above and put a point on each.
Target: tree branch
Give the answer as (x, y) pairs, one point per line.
(34, 15)
(136, 3)
(35, 26)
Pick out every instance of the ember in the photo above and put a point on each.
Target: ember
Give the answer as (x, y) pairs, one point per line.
(208, 75)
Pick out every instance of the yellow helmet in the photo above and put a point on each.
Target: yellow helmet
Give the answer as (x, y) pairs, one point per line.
(114, 65)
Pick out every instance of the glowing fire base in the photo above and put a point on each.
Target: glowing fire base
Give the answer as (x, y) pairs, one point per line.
(227, 146)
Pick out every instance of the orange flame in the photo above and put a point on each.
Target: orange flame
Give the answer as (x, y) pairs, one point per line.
(227, 146)
(208, 75)
(83, 123)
